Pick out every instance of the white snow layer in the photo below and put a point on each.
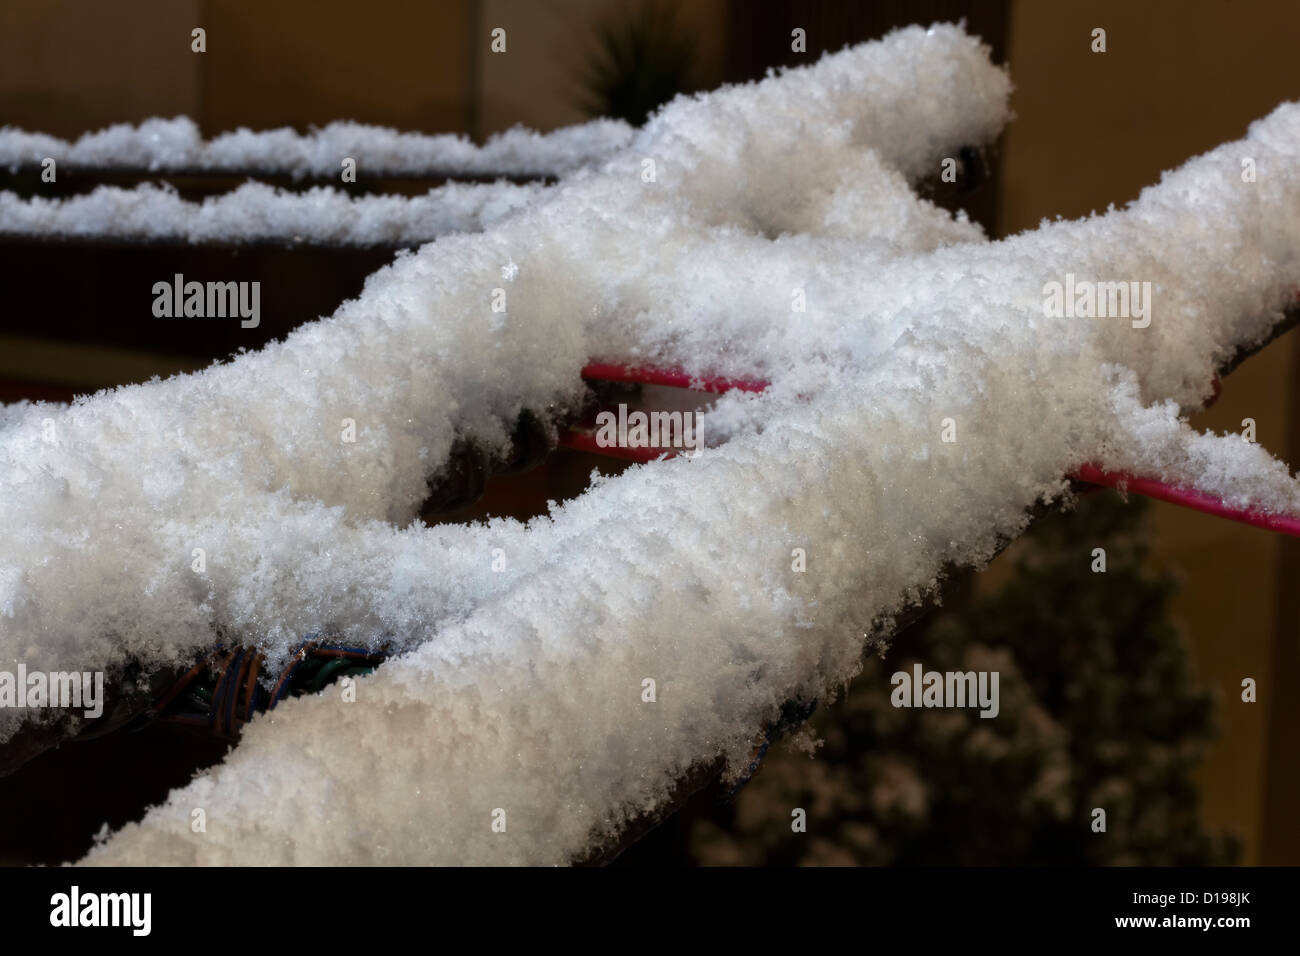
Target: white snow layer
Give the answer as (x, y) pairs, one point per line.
(522, 689)
(174, 145)
(256, 212)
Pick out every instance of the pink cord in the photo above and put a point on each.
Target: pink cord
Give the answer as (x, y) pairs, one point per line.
(1093, 474)
(1188, 498)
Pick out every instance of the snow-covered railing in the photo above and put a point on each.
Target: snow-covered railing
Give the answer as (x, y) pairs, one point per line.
(175, 147)
(256, 213)
(472, 186)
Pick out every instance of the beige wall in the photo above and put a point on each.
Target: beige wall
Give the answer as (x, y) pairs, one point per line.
(1176, 80)
(67, 66)
(536, 82)
(291, 63)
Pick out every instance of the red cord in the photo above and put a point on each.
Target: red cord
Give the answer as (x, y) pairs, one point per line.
(675, 377)
(586, 441)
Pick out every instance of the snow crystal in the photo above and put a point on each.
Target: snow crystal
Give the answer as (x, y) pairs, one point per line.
(162, 145)
(520, 691)
(257, 212)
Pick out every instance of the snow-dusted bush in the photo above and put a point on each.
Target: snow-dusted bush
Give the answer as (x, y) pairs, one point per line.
(1097, 710)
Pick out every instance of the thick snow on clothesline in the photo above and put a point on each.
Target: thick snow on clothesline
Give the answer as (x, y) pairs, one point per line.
(257, 212)
(175, 145)
(522, 688)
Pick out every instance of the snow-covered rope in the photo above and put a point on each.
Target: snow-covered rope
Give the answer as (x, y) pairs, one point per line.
(421, 358)
(525, 688)
(175, 146)
(259, 213)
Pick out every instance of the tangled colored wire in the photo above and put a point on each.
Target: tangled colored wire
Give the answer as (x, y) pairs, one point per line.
(222, 691)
